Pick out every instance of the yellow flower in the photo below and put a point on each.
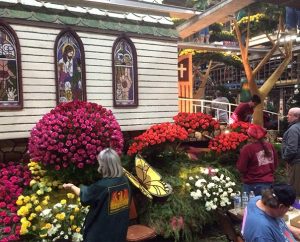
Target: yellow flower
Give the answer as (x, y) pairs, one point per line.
(55, 183)
(19, 202)
(63, 201)
(29, 205)
(39, 192)
(73, 227)
(33, 198)
(72, 217)
(76, 209)
(32, 182)
(26, 199)
(48, 226)
(60, 216)
(77, 230)
(47, 197)
(70, 195)
(45, 202)
(36, 202)
(38, 209)
(32, 216)
(23, 211)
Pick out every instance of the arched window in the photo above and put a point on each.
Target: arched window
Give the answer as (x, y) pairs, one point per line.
(11, 96)
(124, 69)
(69, 67)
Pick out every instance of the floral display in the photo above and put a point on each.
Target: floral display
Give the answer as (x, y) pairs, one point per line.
(259, 23)
(212, 188)
(202, 56)
(227, 142)
(196, 122)
(72, 134)
(157, 134)
(47, 212)
(13, 178)
(240, 127)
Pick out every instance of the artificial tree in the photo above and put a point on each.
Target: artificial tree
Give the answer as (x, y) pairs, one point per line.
(250, 72)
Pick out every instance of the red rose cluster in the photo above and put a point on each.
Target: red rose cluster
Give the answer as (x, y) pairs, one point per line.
(196, 122)
(73, 134)
(240, 127)
(157, 134)
(13, 178)
(227, 142)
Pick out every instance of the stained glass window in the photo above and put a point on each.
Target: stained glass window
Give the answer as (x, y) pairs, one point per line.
(124, 73)
(70, 67)
(10, 69)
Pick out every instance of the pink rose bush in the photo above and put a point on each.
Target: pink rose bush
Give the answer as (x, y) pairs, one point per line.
(72, 135)
(13, 178)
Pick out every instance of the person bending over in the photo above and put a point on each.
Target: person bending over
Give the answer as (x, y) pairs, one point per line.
(243, 112)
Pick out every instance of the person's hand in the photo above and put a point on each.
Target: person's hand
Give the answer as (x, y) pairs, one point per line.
(67, 185)
(11, 94)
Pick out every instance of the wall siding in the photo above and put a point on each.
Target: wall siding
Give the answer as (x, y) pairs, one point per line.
(157, 80)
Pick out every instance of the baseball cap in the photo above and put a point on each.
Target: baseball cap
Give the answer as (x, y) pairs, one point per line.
(256, 131)
(284, 193)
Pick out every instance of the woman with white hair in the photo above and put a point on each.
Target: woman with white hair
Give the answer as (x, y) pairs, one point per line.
(108, 198)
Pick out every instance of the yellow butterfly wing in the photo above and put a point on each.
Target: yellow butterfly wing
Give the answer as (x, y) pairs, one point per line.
(137, 184)
(151, 179)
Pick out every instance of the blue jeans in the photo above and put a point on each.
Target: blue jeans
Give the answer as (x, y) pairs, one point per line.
(204, 32)
(256, 187)
(292, 18)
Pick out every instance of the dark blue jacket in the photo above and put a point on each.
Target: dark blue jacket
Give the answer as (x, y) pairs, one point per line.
(290, 149)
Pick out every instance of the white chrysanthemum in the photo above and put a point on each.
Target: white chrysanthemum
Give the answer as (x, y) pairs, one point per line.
(227, 178)
(197, 177)
(191, 178)
(45, 212)
(188, 184)
(230, 190)
(57, 205)
(210, 185)
(222, 204)
(198, 183)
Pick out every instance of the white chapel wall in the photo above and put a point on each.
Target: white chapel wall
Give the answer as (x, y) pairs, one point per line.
(157, 80)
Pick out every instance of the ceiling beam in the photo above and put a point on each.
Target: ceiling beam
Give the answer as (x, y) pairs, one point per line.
(217, 13)
(213, 47)
(132, 6)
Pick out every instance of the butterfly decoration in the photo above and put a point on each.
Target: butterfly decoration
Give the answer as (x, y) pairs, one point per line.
(148, 180)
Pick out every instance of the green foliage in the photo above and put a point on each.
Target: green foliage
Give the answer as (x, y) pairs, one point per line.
(222, 36)
(216, 27)
(230, 60)
(161, 213)
(259, 24)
